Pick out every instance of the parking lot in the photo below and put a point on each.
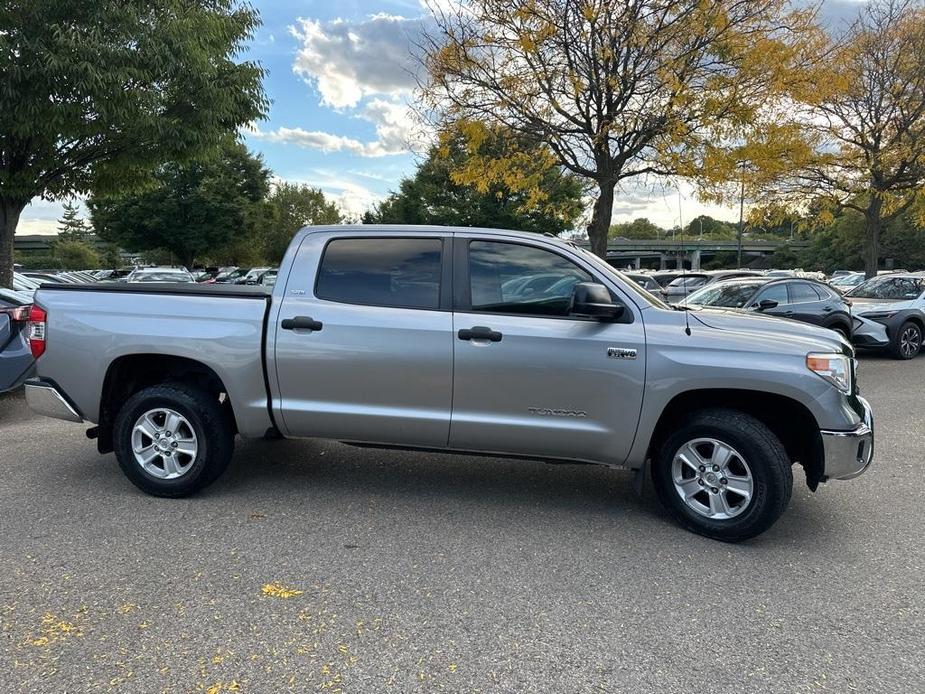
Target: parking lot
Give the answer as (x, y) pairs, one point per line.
(315, 566)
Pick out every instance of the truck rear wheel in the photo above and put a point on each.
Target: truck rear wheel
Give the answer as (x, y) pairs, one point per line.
(172, 440)
(724, 475)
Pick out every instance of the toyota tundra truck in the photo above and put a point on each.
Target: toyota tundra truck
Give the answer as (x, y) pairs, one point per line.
(456, 340)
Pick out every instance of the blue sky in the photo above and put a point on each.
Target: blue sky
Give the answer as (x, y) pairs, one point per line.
(340, 78)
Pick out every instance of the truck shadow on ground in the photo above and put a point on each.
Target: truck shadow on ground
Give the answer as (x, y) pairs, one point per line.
(291, 470)
(294, 467)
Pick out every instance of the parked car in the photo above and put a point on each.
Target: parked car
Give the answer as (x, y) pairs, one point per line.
(404, 337)
(664, 277)
(897, 302)
(159, 274)
(268, 279)
(111, 275)
(228, 275)
(16, 362)
(847, 281)
(683, 285)
(252, 276)
(789, 297)
(647, 282)
(50, 277)
(23, 284)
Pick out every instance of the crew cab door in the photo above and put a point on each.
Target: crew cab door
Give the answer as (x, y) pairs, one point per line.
(363, 347)
(530, 379)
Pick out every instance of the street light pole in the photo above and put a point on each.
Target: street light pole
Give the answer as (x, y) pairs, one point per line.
(741, 220)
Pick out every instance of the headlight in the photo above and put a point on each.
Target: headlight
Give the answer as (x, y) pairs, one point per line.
(835, 368)
(879, 315)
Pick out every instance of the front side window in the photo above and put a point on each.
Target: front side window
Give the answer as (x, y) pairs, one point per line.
(404, 273)
(776, 292)
(512, 278)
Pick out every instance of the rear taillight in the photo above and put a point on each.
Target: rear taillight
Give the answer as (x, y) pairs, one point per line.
(35, 330)
(17, 313)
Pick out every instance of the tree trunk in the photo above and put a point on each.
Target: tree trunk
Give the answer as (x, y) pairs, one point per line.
(600, 219)
(872, 236)
(10, 210)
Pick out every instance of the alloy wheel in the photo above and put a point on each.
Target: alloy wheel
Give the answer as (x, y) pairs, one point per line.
(910, 341)
(712, 478)
(164, 443)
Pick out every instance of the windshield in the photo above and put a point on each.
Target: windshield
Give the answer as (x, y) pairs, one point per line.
(889, 287)
(606, 269)
(725, 294)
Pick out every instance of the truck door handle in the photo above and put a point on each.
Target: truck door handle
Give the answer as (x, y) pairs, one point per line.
(301, 323)
(479, 332)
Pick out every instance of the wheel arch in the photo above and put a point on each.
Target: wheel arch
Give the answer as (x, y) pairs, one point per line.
(130, 373)
(790, 420)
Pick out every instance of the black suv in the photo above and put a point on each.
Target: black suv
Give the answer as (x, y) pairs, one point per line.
(791, 297)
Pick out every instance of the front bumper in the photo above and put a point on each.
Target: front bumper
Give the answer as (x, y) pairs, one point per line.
(849, 453)
(44, 398)
(869, 333)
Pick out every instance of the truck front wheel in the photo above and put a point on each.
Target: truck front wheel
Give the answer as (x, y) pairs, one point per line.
(172, 440)
(723, 474)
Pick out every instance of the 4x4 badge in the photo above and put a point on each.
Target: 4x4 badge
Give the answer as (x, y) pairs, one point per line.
(621, 353)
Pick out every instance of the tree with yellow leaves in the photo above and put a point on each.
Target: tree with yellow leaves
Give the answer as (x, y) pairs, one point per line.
(615, 90)
(865, 120)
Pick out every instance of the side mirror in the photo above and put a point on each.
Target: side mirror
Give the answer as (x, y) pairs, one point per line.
(765, 304)
(594, 301)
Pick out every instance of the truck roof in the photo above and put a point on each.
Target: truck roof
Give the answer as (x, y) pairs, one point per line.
(399, 229)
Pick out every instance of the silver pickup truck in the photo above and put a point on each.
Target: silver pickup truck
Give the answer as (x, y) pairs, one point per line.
(484, 341)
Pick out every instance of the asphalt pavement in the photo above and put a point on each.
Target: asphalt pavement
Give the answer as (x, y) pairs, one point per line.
(318, 567)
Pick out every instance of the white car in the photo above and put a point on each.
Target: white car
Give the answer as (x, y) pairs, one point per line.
(160, 274)
(897, 303)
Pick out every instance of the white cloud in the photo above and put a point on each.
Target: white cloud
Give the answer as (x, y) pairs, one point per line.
(396, 133)
(41, 216)
(348, 61)
(317, 139)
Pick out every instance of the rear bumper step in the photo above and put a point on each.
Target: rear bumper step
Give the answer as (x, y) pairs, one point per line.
(44, 398)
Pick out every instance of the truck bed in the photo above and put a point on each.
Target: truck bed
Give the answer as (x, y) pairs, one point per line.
(92, 327)
(172, 288)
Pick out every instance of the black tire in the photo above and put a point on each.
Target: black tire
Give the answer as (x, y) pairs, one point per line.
(907, 342)
(767, 461)
(843, 331)
(207, 418)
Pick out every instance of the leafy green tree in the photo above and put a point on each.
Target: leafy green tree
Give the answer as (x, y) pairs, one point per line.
(97, 92)
(71, 226)
(639, 228)
(710, 228)
(194, 210)
(75, 254)
(292, 207)
(456, 185)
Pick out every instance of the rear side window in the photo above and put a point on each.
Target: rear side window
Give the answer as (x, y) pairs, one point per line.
(404, 273)
(801, 292)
